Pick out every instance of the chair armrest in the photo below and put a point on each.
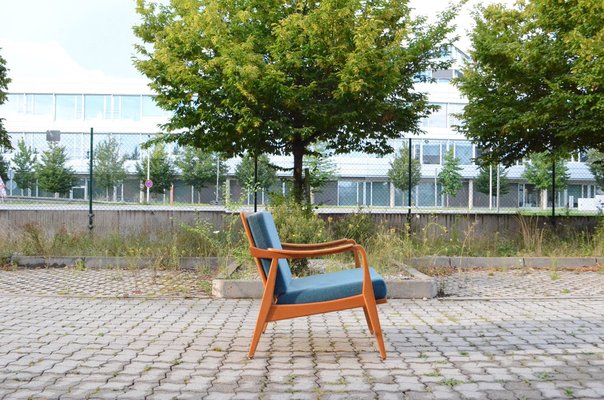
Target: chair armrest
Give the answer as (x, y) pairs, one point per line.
(277, 253)
(310, 246)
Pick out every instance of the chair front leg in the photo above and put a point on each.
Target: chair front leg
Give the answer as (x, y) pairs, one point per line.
(265, 306)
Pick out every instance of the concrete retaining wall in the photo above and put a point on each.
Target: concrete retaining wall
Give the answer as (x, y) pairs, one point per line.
(125, 221)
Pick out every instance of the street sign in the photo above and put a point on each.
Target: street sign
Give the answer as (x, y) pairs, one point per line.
(149, 183)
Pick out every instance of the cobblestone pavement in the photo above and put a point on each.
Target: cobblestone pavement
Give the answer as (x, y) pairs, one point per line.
(76, 348)
(103, 283)
(526, 282)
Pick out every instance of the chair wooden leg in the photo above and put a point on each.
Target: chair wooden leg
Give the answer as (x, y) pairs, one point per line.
(368, 320)
(261, 324)
(375, 322)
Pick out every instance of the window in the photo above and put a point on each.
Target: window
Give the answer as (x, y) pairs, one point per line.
(454, 109)
(68, 107)
(463, 151)
(130, 108)
(42, 104)
(431, 153)
(94, 106)
(438, 118)
(347, 193)
(150, 109)
(380, 194)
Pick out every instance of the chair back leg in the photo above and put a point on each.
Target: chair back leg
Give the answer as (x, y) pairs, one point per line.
(371, 307)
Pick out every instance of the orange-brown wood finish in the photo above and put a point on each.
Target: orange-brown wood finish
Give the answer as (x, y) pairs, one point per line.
(271, 311)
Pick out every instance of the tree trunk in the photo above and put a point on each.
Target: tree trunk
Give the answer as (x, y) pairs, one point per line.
(298, 152)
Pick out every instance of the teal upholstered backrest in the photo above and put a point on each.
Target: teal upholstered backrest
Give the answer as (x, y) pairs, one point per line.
(265, 236)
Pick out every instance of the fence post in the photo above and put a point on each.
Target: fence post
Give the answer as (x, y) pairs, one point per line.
(553, 191)
(409, 184)
(90, 213)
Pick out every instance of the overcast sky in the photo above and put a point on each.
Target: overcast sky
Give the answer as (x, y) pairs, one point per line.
(83, 40)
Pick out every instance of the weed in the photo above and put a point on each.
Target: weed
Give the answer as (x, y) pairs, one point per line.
(451, 382)
(569, 392)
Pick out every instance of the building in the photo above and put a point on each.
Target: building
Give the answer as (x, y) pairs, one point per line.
(128, 114)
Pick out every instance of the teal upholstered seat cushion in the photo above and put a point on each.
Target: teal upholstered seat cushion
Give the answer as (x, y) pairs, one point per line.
(331, 286)
(265, 236)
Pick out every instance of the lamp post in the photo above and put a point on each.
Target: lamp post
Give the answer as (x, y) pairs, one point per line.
(148, 170)
(90, 213)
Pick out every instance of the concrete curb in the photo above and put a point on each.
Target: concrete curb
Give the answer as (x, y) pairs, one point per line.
(100, 262)
(419, 287)
(505, 262)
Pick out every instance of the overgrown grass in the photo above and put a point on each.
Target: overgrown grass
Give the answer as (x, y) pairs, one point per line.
(386, 246)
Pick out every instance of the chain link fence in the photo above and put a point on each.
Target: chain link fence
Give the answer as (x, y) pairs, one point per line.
(424, 175)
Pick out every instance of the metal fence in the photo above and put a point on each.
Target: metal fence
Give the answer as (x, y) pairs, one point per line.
(442, 176)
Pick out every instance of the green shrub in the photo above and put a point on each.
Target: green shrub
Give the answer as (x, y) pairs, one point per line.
(358, 226)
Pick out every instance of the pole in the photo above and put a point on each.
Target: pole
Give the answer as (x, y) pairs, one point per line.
(255, 182)
(498, 186)
(554, 192)
(148, 172)
(90, 181)
(217, 176)
(490, 186)
(409, 185)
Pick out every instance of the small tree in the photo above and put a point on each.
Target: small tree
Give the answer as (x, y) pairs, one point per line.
(320, 168)
(4, 81)
(484, 176)
(53, 175)
(449, 177)
(161, 169)
(199, 168)
(595, 160)
(25, 164)
(3, 169)
(399, 170)
(538, 172)
(244, 172)
(109, 165)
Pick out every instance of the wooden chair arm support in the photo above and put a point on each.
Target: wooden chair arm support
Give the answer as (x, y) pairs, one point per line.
(276, 253)
(311, 246)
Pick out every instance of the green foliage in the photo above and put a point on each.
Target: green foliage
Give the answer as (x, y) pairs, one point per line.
(484, 176)
(4, 81)
(535, 83)
(296, 224)
(244, 172)
(52, 173)
(449, 177)
(399, 170)
(321, 168)
(538, 171)
(358, 226)
(108, 165)
(199, 167)
(25, 163)
(595, 160)
(161, 169)
(275, 77)
(3, 168)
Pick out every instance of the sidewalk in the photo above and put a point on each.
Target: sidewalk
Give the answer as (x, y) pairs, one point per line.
(63, 346)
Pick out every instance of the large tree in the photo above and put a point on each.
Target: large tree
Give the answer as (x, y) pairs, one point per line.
(539, 171)
(321, 168)
(595, 160)
(109, 168)
(200, 167)
(4, 81)
(161, 169)
(25, 167)
(276, 76)
(536, 82)
(399, 170)
(52, 173)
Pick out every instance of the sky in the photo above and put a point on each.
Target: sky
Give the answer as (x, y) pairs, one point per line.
(92, 40)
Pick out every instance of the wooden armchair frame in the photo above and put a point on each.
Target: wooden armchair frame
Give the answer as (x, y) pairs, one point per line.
(271, 311)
